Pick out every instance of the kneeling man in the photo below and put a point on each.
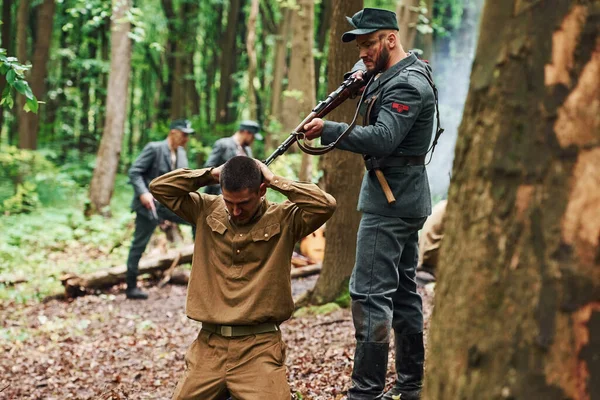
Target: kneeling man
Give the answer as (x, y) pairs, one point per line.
(240, 285)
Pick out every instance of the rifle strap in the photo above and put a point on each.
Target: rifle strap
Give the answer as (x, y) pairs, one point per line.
(439, 130)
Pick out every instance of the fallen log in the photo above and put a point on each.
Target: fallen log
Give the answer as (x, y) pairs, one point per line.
(78, 285)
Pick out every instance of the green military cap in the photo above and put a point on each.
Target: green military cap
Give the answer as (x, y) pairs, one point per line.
(182, 125)
(251, 126)
(368, 21)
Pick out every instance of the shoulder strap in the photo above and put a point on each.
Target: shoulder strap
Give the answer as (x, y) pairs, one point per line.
(439, 129)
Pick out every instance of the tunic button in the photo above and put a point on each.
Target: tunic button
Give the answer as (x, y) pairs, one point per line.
(241, 235)
(276, 180)
(238, 252)
(285, 185)
(266, 235)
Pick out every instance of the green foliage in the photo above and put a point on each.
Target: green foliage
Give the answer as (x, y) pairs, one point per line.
(327, 308)
(15, 78)
(447, 16)
(25, 200)
(36, 180)
(344, 300)
(51, 241)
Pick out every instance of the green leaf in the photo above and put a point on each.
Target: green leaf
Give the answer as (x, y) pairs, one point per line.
(23, 88)
(31, 105)
(10, 76)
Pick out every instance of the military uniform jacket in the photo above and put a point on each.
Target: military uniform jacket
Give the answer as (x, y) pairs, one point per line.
(401, 124)
(241, 274)
(223, 150)
(154, 161)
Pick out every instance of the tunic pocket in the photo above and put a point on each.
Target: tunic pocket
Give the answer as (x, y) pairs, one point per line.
(220, 251)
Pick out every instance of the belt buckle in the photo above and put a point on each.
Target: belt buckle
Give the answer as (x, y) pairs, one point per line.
(226, 331)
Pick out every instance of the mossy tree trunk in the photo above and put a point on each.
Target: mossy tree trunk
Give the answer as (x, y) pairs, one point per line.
(517, 306)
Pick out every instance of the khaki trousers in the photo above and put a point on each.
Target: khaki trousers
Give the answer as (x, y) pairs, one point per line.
(246, 368)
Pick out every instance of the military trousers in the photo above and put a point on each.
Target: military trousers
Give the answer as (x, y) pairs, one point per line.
(144, 228)
(382, 286)
(248, 367)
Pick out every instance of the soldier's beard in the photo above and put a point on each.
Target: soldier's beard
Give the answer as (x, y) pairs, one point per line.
(382, 61)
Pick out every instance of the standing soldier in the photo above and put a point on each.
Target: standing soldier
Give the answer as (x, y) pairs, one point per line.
(237, 144)
(398, 122)
(156, 159)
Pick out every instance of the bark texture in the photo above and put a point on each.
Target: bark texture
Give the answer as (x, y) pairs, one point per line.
(107, 162)
(517, 306)
(225, 113)
(301, 92)
(407, 12)
(28, 121)
(342, 170)
(251, 51)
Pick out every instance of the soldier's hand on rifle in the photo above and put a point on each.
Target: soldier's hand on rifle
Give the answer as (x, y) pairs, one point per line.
(314, 128)
(266, 172)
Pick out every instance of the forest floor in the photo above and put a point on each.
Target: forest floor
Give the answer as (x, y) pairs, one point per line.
(107, 347)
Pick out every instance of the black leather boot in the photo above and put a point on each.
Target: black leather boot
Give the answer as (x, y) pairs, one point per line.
(368, 374)
(136, 294)
(410, 356)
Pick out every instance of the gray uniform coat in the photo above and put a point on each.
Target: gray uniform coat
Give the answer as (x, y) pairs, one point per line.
(401, 124)
(223, 150)
(153, 161)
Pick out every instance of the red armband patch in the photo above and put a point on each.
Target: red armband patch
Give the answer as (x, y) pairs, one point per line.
(400, 107)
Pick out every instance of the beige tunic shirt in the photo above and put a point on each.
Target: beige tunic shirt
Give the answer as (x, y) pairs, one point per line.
(241, 275)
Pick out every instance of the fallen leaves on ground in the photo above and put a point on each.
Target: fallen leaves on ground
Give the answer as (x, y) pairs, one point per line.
(107, 347)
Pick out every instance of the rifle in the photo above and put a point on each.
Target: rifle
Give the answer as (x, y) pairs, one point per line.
(348, 88)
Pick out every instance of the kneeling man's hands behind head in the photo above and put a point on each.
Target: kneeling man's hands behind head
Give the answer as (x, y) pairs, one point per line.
(216, 173)
(266, 172)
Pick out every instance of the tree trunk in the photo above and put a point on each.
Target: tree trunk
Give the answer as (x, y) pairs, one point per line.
(426, 39)
(28, 121)
(22, 56)
(215, 30)
(323, 30)
(6, 40)
(279, 69)
(407, 12)
(250, 50)
(301, 77)
(103, 180)
(342, 170)
(228, 63)
(517, 312)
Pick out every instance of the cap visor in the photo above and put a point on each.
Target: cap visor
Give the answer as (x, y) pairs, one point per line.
(351, 35)
(189, 131)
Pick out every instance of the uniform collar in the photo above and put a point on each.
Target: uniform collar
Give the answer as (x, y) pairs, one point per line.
(392, 71)
(220, 214)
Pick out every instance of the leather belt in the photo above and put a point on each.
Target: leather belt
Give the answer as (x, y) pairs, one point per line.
(393, 161)
(240, 330)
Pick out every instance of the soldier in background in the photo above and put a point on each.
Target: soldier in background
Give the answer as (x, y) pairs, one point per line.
(236, 145)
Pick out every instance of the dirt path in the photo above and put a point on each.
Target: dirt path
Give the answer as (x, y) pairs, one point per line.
(105, 347)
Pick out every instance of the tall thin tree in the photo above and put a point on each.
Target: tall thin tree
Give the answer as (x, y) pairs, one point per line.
(301, 91)
(342, 170)
(517, 310)
(251, 51)
(28, 121)
(107, 162)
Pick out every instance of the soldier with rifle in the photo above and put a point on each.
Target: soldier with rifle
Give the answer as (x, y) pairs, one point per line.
(398, 108)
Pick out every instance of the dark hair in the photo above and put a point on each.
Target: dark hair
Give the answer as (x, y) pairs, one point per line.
(240, 173)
